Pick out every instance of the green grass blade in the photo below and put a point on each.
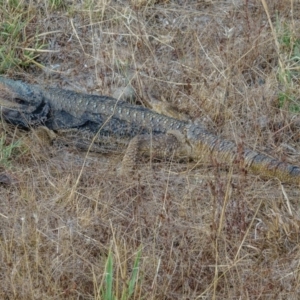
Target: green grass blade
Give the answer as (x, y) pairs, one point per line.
(108, 295)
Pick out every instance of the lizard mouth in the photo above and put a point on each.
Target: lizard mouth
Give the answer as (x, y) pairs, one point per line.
(13, 104)
(10, 100)
(7, 97)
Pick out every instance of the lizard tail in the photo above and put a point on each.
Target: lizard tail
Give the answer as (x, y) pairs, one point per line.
(228, 152)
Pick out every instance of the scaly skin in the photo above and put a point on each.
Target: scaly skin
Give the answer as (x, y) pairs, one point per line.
(114, 125)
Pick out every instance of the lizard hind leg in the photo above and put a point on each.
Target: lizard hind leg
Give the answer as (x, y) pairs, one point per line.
(160, 146)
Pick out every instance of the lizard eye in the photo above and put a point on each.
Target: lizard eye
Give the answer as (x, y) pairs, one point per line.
(20, 101)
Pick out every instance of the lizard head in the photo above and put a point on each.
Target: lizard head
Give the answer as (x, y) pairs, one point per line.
(20, 103)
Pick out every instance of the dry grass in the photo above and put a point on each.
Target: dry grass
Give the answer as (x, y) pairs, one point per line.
(207, 231)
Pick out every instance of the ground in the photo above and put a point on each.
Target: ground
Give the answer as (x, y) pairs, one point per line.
(203, 230)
